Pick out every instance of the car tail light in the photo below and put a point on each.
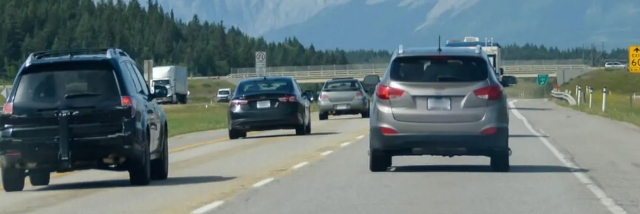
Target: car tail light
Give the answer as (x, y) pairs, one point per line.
(237, 102)
(7, 108)
(288, 98)
(493, 92)
(324, 96)
(388, 131)
(128, 102)
(385, 92)
(359, 95)
(491, 130)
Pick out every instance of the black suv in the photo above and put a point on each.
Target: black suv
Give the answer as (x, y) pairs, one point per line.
(81, 109)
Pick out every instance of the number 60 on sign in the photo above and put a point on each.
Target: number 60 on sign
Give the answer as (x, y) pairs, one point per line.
(634, 59)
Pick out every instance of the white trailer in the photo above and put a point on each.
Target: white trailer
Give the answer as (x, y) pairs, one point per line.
(174, 78)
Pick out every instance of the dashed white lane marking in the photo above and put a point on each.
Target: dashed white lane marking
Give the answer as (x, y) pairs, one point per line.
(300, 165)
(360, 137)
(326, 153)
(263, 182)
(608, 202)
(208, 207)
(345, 144)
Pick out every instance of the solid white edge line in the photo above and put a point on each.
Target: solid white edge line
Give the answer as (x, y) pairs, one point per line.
(360, 137)
(608, 202)
(345, 144)
(207, 207)
(263, 182)
(326, 153)
(300, 165)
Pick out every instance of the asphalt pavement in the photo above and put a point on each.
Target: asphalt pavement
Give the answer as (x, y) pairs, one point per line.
(563, 162)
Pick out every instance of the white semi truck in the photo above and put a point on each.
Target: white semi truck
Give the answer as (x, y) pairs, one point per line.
(488, 46)
(174, 78)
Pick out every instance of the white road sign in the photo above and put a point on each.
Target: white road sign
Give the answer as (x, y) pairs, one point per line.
(261, 63)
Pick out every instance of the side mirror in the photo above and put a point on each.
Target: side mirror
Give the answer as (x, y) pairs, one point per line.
(501, 71)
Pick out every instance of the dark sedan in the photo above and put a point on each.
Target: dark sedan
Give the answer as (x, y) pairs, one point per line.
(268, 103)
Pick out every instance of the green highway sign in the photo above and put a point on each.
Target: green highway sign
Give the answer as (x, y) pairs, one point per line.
(542, 79)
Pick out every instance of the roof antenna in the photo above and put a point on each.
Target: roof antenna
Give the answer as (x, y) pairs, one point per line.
(439, 49)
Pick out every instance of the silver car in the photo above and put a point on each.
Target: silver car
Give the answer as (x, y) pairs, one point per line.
(440, 102)
(340, 96)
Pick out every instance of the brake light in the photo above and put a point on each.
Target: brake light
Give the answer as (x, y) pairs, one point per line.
(388, 131)
(128, 102)
(237, 102)
(359, 95)
(324, 96)
(288, 99)
(385, 92)
(7, 108)
(491, 130)
(493, 92)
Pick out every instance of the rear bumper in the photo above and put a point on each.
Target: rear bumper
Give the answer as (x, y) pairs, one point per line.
(355, 106)
(450, 144)
(84, 153)
(268, 122)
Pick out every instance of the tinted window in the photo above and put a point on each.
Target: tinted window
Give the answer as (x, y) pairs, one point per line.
(126, 69)
(143, 83)
(439, 69)
(51, 83)
(345, 85)
(265, 86)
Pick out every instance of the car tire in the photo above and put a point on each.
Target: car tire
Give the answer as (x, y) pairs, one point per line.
(500, 163)
(323, 116)
(235, 134)
(39, 178)
(301, 129)
(365, 114)
(379, 162)
(141, 175)
(160, 166)
(12, 178)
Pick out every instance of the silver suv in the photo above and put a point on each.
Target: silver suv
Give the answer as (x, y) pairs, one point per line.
(440, 102)
(343, 96)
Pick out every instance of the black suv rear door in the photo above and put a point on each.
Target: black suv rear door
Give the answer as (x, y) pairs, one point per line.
(145, 105)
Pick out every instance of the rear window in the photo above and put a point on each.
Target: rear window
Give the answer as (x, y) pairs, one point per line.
(223, 92)
(50, 83)
(431, 69)
(264, 86)
(346, 85)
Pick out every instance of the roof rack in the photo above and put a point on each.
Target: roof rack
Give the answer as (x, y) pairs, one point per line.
(110, 52)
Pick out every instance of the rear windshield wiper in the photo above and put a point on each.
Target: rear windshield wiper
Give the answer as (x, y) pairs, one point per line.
(80, 95)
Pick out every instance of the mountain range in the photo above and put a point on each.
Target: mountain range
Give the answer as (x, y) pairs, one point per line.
(384, 24)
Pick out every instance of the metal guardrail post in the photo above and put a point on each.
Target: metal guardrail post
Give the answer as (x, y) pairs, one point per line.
(604, 98)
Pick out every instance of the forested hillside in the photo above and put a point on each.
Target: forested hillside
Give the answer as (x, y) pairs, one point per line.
(207, 48)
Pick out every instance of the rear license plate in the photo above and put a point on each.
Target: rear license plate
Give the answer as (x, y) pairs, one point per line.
(263, 104)
(342, 107)
(438, 103)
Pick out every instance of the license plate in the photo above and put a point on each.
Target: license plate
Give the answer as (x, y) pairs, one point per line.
(438, 103)
(263, 104)
(342, 107)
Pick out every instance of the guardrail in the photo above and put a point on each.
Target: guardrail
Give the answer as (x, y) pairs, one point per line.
(564, 96)
(508, 70)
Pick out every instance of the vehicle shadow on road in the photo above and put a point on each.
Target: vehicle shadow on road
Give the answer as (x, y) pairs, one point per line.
(293, 135)
(527, 135)
(530, 109)
(124, 183)
(485, 168)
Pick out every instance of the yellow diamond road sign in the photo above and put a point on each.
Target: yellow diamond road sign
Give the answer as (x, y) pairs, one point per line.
(634, 59)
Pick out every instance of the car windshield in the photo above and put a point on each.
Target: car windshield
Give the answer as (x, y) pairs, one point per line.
(341, 85)
(264, 86)
(223, 92)
(161, 82)
(429, 69)
(50, 83)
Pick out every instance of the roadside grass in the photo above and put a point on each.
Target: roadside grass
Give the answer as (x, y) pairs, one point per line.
(528, 88)
(205, 90)
(620, 105)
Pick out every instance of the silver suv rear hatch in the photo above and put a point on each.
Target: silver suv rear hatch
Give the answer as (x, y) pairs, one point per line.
(339, 91)
(443, 89)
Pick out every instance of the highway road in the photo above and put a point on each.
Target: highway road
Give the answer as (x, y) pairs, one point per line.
(563, 162)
